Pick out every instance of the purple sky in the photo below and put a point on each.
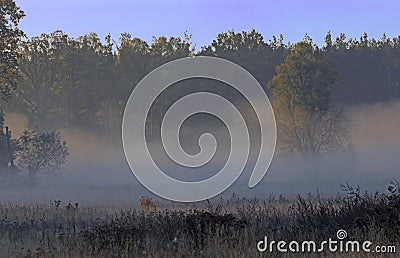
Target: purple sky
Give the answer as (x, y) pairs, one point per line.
(205, 19)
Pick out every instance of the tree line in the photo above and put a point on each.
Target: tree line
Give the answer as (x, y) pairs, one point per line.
(85, 82)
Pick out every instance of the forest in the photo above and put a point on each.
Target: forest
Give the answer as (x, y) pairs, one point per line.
(85, 81)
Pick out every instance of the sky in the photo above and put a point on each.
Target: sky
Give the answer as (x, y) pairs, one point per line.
(206, 19)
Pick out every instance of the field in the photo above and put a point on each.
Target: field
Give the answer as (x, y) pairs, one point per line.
(218, 228)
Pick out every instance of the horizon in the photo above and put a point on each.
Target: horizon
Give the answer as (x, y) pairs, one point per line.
(270, 19)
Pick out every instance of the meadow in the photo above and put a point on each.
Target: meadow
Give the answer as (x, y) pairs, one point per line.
(218, 228)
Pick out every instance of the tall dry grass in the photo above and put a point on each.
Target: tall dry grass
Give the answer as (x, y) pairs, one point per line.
(219, 228)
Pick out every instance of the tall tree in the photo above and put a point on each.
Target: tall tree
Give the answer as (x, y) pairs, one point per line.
(43, 76)
(10, 36)
(328, 41)
(301, 89)
(133, 61)
(163, 50)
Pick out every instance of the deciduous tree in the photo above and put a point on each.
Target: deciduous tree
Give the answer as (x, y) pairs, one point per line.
(301, 88)
(42, 152)
(10, 36)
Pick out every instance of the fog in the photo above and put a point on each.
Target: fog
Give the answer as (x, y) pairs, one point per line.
(373, 163)
(98, 174)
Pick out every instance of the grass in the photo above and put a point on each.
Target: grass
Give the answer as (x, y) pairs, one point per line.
(221, 228)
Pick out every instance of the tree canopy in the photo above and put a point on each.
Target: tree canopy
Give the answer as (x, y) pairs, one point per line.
(10, 37)
(41, 152)
(305, 79)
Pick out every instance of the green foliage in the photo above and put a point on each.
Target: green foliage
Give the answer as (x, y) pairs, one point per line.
(10, 37)
(41, 152)
(305, 79)
(43, 76)
(249, 50)
(301, 92)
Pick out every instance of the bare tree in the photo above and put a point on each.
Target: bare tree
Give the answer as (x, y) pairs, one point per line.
(312, 134)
